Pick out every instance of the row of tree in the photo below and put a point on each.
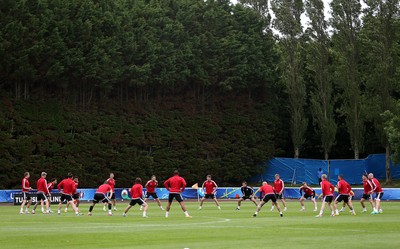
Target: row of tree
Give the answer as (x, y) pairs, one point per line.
(327, 84)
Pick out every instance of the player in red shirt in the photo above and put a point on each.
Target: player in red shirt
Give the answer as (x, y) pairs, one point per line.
(111, 182)
(344, 190)
(42, 193)
(103, 194)
(50, 187)
(25, 192)
(367, 193)
(67, 189)
(308, 193)
(279, 187)
(210, 188)
(151, 186)
(176, 185)
(327, 191)
(136, 198)
(269, 194)
(377, 189)
(76, 194)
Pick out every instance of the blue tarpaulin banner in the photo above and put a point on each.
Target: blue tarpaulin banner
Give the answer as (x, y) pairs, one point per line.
(305, 170)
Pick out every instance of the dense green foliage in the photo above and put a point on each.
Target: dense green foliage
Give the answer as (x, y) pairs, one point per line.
(392, 128)
(146, 86)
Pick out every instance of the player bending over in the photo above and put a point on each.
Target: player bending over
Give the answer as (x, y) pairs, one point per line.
(42, 194)
(247, 193)
(103, 194)
(308, 193)
(344, 190)
(176, 185)
(367, 193)
(269, 194)
(327, 191)
(136, 195)
(67, 188)
(279, 187)
(151, 186)
(25, 194)
(75, 196)
(376, 188)
(210, 188)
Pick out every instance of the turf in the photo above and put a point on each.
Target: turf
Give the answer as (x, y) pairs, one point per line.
(209, 228)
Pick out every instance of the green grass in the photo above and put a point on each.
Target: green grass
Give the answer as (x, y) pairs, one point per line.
(209, 228)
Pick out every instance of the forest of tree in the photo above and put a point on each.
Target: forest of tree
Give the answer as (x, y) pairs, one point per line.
(142, 87)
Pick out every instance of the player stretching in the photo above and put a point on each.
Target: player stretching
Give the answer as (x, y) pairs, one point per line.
(308, 193)
(42, 193)
(176, 185)
(279, 187)
(344, 190)
(151, 191)
(247, 193)
(67, 188)
(75, 196)
(111, 182)
(367, 193)
(376, 188)
(269, 194)
(103, 194)
(327, 191)
(50, 187)
(25, 194)
(210, 188)
(136, 195)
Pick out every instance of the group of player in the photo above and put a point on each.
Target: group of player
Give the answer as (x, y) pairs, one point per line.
(105, 193)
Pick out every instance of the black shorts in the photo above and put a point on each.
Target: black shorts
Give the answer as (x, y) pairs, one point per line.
(308, 196)
(271, 197)
(136, 201)
(65, 197)
(154, 195)
(212, 196)
(328, 198)
(26, 196)
(76, 196)
(100, 197)
(41, 196)
(342, 197)
(177, 197)
(379, 196)
(366, 196)
(245, 197)
(279, 196)
(112, 196)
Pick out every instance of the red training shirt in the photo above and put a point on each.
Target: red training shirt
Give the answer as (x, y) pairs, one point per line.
(279, 185)
(104, 189)
(307, 190)
(137, 191)
(151, 186)
(376, 186)
(111, 182)
(67, 185)
(367, 187)
(266, 189)
(50, 186)
(42, 186)
(327, 188)
(175, 184)
(210, 186)
(25, 185)
(344, 187)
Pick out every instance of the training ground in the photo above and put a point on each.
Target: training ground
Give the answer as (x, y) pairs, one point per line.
(208, 228)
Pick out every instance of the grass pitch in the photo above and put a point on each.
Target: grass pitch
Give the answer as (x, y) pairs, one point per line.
(209, 228)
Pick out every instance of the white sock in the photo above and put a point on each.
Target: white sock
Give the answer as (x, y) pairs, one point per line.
(186, 213)
(238, 207)
(144, 213)
(302, 207)
(166, 214)
(256, 213)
